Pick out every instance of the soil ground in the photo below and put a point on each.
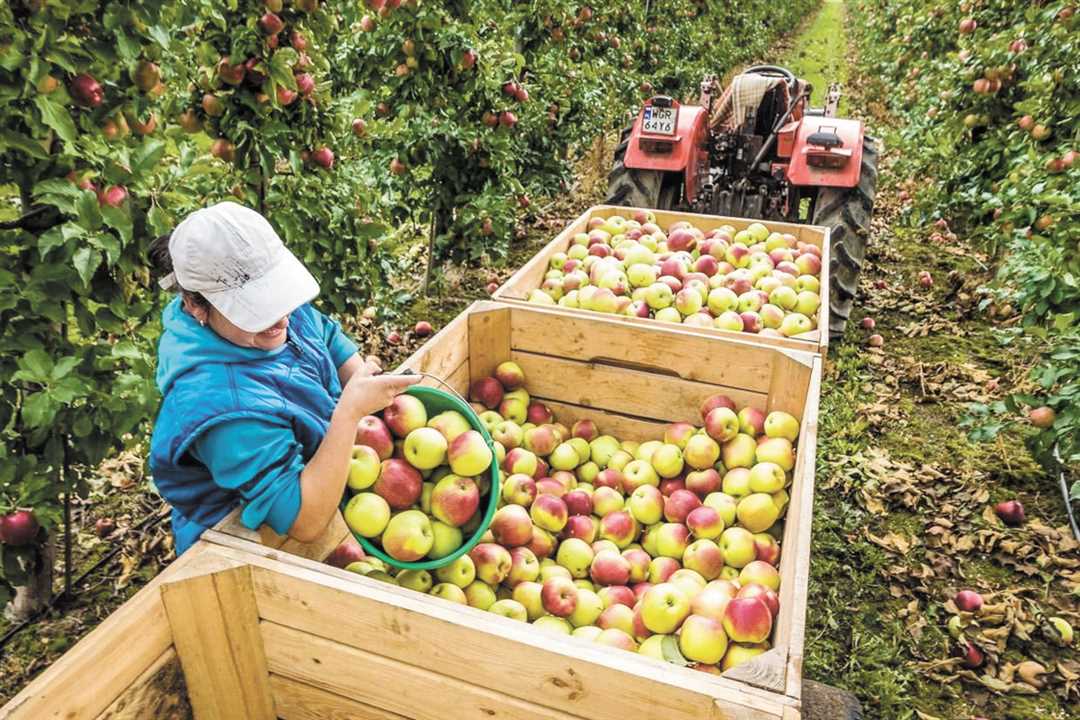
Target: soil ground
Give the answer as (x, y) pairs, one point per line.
(903, 503)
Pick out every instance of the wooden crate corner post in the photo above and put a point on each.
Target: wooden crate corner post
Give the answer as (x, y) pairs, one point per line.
(215, 627)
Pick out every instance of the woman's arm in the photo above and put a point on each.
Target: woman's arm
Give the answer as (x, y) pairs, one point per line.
(322, 481)
(355, 364)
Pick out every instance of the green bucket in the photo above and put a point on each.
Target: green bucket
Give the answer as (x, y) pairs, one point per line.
(437, 401)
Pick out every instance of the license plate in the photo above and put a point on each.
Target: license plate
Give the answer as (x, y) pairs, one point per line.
(659, 120)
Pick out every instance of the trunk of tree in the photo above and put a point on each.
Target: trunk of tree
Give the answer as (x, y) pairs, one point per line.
(36, 594)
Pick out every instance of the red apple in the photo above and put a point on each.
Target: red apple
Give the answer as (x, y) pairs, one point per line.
(347, 552)
(748, 620)
(399, 483)
(1011, 512)
(86, 91)
(1042, 417)
(559, 596)
(679, 504)
(18, 528)
(968, 601)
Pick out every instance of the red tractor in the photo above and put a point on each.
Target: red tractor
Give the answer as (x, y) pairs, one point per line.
(758, 152)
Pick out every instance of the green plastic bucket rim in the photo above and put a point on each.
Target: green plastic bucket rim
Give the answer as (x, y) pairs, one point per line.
(424, 392)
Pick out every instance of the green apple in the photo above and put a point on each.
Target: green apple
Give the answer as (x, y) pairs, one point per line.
(363, 467)
(447, 539)
(724, 504)
(603, 449)
(779, 424)
(469, 454)
(418, 580)
(807, 303)
(509, 608)
(480, 595)
(703, 639)
(767, 477)
(367, 514)
(619, 460)
(527, 594)
(587, 632)
(451, 592)
(738, 546)
(664, 607)
(461, 572)
(701, 452)
(777, 450)
(575, 555)
(796, 324)
(564, 457)
(653, 647)
(552, 625)
(667, 460)
(588, 609)
(450, 423)
(646, 504)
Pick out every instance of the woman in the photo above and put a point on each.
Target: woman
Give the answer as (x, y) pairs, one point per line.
(261, 393)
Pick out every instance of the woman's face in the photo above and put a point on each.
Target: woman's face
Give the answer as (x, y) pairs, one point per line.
(269, 339)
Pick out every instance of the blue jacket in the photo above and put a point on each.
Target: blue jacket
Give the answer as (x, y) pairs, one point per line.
(237, 425)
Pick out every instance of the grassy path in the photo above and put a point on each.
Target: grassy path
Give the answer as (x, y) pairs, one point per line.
(903, 509)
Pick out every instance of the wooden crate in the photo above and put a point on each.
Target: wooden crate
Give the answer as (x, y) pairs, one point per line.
(250, 624)
(531, 275)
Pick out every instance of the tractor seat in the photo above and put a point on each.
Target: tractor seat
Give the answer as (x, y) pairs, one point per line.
(763, 96)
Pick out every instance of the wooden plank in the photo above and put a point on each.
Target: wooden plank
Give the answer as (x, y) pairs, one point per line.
(444, 352)
(790, 380)
(415, 692)
(126, 643)
(732, 363)
(791, 713)
(295, 700)
(331, 537)
(489, 338)
(562, 673)
(214, 620)
(795, 576)
(621, 390)
(160, 692)
(765, 671)
(825, 279)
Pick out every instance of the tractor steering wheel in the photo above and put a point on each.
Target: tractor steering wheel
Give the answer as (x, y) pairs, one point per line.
(773, 70)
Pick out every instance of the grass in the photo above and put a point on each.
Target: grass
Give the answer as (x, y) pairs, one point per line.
(818, 56)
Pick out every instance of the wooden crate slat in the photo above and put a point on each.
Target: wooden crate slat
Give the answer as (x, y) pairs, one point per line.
(295, 700)
(765, 671)
(621, 390)
(127, 642)
(444, 352)
(561, 673)
(621, 426)
(671, 351)
(214, 620)
(160, 692)
(390, 684)
(489, 339)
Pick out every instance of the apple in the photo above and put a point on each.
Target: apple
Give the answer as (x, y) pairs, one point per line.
(521, 461)
(408, 536)
(679, 504)
(454, 499)
(364, 467)
(447, 539)
(619, 527)
(549, 512)
(415, 580)
(349, 551)
(701, 452)
(646, 504)
(461, 572)
(404, 414)
(751, 421)
(667, 460)
(493, 562)
(737, 654)
(576, 556)
(519, 489)
(608, 567)
(538, 414)
(766, 548)
(425, 448)
(1063, 631)
(1042, 417)
(729, 320)
(662, 568)
(747, 620)
(606, 500)
(541, 440)
(639, 564)
(514, 409)
(972, 656)
(968, 601)
(740, 451)
(468, 454)
(779, 424)
(678, 434)
(451, 592)
(761, 573)
(372, 431)
(86, 91)
(767, 477)
(795, 324)
(638, 473)
(617, 595)
(738, 546)
(559, 596)
(510, 374)
(528, 595)
(511, 526)
(757, 512)
(705, 522)
(705, 557)
(588, 609)
(777, 450)
(703, 639)
(579, 502)
(1011, 512)
(722, 424)
(508, 608)
(542, 543)
(398, 483)
(672, 540)
(487, 390)
(724, 504)
(664, 607)
(602, 449)
(723, 300)
(713, 599)
(618, 615)
(564, 457)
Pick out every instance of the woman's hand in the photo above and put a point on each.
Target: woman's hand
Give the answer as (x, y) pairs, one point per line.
(366, 395)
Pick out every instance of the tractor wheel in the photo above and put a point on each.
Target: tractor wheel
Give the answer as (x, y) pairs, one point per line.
(846, 211)
(631, 187)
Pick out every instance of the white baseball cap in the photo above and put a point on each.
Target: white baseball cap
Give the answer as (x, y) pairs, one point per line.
(231, 255)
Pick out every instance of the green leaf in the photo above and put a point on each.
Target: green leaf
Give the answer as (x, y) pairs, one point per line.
(88, 210)
(281, 67)
(39, 409)
(86, 262)
(58, 118)
(119, 219)
(59, 192)
(669, 646)
(160, 222)
(9, 139)
(36, 365)
(53, 237)
(147, 156)
(63, 366)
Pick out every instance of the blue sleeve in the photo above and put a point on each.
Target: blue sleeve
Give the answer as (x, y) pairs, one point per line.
(262, 461)
(337, 342)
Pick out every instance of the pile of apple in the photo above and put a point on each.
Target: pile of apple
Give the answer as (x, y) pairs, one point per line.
(666, 547)
(417, 481)
(750, 280)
